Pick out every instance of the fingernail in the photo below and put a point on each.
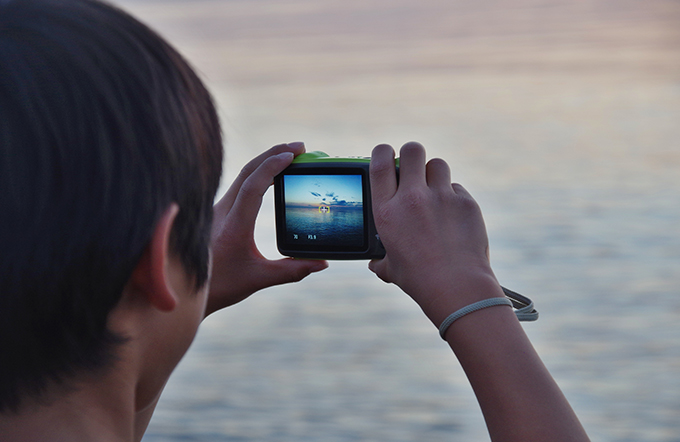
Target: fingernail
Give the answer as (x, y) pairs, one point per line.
(296, 145)
(286, 156)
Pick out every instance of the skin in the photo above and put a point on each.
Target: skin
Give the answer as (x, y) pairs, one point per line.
(159, 313)
(443, 265)
(239, 268)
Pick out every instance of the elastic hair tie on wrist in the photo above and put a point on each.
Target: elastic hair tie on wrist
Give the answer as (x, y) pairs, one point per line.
(525, 310)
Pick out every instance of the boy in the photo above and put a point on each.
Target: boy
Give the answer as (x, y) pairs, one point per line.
(112, 254)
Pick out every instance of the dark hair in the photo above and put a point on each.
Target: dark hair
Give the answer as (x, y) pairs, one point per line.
(102, 126)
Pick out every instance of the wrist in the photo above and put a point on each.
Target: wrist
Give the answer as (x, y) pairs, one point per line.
(441, 298)
(469, 309)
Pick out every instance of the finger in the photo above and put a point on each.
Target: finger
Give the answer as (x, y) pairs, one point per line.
(379, 267)
(249, 198)
(373, 265)
(438, 174)
(224, 205)
(287, 270)
(261, 273)
(383, 174)
(460, 190)
(412, 165)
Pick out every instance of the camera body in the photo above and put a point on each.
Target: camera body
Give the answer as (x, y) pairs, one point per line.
(323, 209)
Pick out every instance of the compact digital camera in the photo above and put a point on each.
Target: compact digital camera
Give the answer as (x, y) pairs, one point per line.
(323, 209)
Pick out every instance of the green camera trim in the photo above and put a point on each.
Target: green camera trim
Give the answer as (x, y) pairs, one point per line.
(322, 157)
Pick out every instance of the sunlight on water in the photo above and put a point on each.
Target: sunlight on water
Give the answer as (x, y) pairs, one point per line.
(560, 117)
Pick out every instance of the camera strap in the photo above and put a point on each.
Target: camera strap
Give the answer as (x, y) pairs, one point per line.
(524, 307)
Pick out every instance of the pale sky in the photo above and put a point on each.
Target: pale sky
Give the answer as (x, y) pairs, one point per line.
(323, 189)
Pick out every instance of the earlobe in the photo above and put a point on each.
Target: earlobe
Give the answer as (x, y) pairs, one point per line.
(150, 276)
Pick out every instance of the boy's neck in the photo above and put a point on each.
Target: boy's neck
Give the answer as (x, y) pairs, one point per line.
(101, 409)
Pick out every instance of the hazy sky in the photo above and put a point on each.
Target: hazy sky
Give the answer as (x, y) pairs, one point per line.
(323, 189)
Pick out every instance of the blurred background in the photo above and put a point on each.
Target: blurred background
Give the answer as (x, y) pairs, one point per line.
(561, 117)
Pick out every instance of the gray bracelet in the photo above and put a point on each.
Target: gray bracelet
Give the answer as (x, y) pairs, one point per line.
(524, 309)
(469, 309)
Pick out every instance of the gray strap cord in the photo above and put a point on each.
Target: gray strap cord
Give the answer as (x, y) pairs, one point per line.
(524, 309)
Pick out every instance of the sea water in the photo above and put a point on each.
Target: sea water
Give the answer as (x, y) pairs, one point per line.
(325, 225)
(561, 118)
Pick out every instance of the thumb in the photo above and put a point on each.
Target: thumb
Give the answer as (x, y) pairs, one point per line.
(380, 268)
(286, 270)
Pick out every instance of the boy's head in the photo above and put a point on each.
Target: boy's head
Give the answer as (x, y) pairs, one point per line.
(102, 126)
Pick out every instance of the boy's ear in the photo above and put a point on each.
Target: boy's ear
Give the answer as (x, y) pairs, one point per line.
(150, 276)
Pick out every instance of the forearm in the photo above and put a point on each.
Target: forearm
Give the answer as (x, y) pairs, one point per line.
(518, 397)
(437, 252)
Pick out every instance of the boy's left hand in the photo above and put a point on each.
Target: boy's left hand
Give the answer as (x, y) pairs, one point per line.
(239, 269)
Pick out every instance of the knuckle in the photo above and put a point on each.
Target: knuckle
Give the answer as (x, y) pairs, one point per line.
(246, 171)
(413, 200)
(379, 168)
(469, 205)
(250, 188)
(383, 215)
(299, 274)
(292, 275)
(410, 202)
(278, 148)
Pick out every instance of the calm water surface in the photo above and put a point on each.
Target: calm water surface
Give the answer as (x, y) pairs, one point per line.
(338, 226)
(562, 118)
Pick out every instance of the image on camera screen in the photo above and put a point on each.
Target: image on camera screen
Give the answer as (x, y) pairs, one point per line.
(324, 210)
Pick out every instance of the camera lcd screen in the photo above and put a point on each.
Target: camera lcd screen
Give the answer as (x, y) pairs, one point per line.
(324, 211)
